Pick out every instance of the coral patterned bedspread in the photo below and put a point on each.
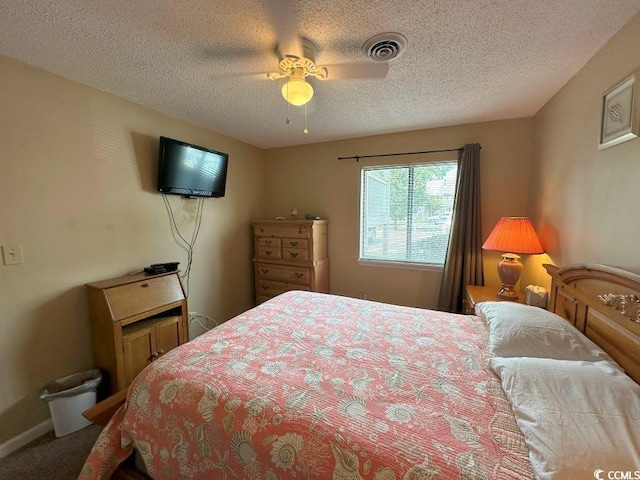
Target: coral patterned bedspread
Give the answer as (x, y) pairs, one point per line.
(311, 385)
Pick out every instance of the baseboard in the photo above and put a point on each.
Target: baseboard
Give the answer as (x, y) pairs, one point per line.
(21, 440)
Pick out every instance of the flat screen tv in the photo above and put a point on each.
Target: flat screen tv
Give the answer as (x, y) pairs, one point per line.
(190, 170)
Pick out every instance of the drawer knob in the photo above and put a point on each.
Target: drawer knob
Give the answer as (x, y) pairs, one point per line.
(146, 284)
(264, 287)
(294, 254)
(156, 355)
(293, 244)
(299, 275)
(267, 252)
(264, 270)
(268, 242)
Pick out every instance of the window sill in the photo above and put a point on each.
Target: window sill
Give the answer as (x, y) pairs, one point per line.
(431, 267)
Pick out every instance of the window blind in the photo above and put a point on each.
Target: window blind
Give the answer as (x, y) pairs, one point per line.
(406, 212)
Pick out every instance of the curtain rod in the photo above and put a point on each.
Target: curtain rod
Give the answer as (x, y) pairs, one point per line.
(358, 157)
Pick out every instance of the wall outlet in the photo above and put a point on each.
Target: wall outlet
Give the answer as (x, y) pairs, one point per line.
(363, 295)
(192, 316)
(12, 254)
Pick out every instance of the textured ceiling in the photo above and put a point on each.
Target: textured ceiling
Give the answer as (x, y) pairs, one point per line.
(204, 61)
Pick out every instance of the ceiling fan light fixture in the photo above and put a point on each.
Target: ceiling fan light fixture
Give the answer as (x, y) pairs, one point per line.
(296, 91)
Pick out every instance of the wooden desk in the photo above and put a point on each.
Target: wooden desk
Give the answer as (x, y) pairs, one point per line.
(135, 319)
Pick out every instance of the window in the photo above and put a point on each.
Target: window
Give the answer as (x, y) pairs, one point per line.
(405, 212)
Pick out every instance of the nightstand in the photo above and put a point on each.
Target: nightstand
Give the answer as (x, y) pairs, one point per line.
(475, 294)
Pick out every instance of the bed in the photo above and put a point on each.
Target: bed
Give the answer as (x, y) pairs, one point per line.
(310, 385)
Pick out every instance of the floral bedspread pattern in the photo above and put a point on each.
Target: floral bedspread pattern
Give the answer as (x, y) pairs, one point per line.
(317, 386)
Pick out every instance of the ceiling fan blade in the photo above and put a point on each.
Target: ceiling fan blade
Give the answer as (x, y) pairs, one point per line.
(250, 75)
(276, 75)
(282, 16)
(222, 53)
(346, 71)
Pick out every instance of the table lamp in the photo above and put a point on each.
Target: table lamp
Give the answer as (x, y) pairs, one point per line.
(513, 235)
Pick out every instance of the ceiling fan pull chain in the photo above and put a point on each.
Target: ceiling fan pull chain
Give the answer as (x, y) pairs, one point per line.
(288, 118)
(305, 131)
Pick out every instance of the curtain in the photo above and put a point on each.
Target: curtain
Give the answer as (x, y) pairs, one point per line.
(463, 263)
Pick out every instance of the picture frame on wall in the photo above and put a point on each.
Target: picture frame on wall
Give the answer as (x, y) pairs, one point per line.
(621, 112)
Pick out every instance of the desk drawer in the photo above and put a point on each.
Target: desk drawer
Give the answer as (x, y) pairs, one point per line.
(138, 297)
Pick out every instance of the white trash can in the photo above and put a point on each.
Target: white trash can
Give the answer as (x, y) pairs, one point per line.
(68, 397)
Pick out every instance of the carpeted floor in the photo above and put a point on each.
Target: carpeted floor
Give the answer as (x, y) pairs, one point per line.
(49, 457)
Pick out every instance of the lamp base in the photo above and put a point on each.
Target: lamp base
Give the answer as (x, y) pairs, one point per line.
(507, 292)
(509, 271)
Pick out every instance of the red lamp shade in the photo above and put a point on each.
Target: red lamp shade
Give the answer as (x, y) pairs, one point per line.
(512, 235)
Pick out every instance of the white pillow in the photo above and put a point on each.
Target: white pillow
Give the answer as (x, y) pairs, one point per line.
(576, 417)
(517, 330)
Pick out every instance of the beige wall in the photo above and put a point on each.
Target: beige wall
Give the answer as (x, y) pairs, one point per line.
(585, 201)
(77, 184)
(312, 179)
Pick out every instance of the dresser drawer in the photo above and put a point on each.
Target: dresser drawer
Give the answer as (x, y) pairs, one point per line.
(283, 273)
(272, 288)
(295, 254)
(262, 298)
(282, 231)
(295, 243)
(269, 252)
(269, 242)
(138, 297)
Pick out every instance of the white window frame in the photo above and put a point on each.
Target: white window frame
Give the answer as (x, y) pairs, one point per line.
(394, 263)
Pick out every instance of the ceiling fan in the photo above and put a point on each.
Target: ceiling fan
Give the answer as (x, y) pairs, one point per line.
(297, 66)
(297, 56)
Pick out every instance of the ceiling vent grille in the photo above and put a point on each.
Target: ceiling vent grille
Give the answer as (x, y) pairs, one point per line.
(385, 46)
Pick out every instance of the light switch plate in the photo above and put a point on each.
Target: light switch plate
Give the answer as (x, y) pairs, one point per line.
(12, 254)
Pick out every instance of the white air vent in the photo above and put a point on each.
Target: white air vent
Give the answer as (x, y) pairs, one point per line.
(385, 46)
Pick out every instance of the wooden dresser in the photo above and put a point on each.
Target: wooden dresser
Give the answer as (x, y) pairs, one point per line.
(290, 255)
(135, 319)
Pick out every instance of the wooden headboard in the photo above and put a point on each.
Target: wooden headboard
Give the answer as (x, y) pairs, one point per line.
(604, 303)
